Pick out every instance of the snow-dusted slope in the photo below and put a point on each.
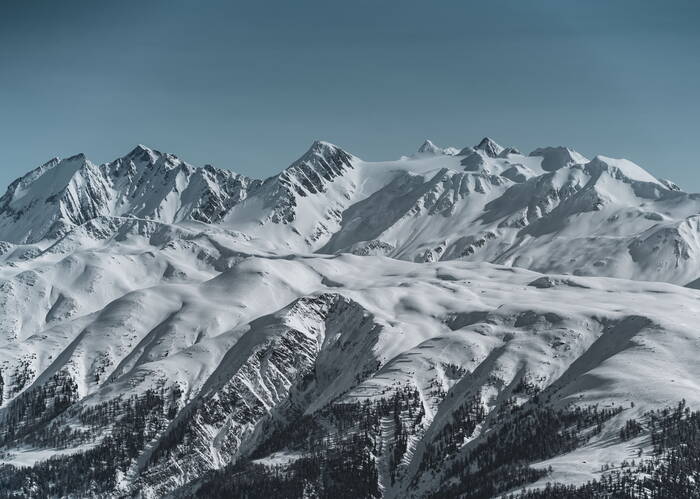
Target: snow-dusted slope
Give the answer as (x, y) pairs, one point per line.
(161, 322)
(237, 347)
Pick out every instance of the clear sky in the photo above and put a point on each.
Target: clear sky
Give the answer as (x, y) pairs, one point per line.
(248, 86)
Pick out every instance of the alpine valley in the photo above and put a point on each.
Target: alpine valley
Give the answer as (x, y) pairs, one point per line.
(462, 322)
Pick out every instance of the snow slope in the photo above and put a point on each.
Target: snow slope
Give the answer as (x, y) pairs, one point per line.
(236, 348)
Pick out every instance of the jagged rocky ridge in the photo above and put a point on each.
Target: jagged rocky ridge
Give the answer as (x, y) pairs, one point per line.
(169, 330)
(551, 211)
(62, 194)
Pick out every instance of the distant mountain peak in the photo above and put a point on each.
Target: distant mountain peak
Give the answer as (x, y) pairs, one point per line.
(429, 147)
(322, 147)
(489, 146)
(625, 167)
(142, 153)
(322, 153)
(557, 157)
(317, 143)
(317, 168)
(139, 149)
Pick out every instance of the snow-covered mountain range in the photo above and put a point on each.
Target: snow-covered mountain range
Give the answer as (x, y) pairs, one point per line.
(552, 210)
(345, 327)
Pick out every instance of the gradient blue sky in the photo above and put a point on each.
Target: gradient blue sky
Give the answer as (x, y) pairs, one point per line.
(248, 86)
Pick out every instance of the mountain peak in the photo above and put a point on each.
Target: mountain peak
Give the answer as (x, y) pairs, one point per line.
(318, 167)
(489, 146)
(429, 147)
(139, 148)
(142, 153)
(557, 157)
(322, 151)
(323, 147)
(627, 168)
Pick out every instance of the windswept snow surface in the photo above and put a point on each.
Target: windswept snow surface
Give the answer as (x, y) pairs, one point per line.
(244, 304)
